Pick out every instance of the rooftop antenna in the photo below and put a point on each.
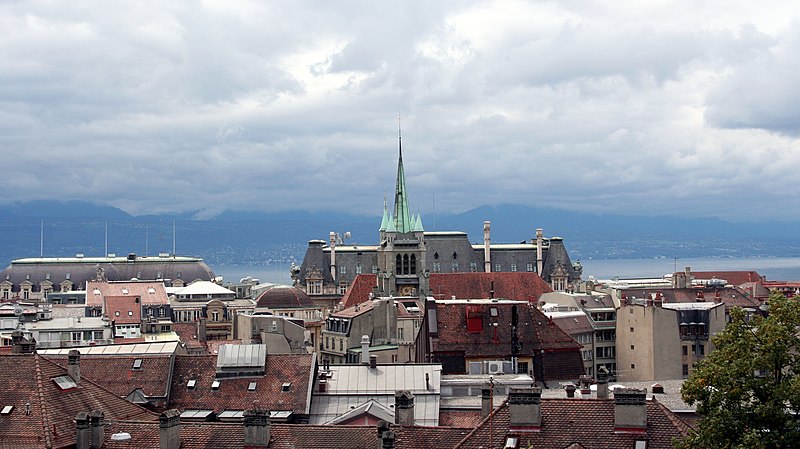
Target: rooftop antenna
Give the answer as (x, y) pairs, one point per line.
(41, 241)
(146, 238)
(106, 238)
(434, 211)
(173, 238)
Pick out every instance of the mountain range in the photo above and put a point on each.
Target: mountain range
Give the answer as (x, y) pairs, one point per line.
(62, 229)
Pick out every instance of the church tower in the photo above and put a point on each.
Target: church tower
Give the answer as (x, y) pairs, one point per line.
(401, 254)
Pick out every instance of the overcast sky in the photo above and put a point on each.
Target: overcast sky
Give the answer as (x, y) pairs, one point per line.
(679, 108)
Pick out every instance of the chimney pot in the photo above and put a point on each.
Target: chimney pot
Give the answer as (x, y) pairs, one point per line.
(373, 361)
(82, 430)
(570, 390)
(98, 429)
(486, 399)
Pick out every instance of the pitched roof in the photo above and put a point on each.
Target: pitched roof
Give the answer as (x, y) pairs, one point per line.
(123, 309)
(573, 322)
(460, 418)
(521, 286)
(359, 290)
(731, 296)
(28, 379)
(732, 277)
(233, 393)
(117, 373)
(148, 292)
(587, 422)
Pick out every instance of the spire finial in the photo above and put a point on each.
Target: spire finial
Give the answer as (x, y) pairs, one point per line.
(400, 135)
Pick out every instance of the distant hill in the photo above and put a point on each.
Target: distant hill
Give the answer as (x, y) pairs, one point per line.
(245, 237)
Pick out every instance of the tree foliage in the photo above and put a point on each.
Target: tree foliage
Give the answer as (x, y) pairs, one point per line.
(747, 390)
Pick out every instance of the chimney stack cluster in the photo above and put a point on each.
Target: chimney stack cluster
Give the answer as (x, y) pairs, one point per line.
(525, 407)
(89, 430)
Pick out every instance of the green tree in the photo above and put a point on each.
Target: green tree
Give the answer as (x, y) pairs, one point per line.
(747, 390)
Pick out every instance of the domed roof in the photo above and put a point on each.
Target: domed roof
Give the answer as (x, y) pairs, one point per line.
(284, 297)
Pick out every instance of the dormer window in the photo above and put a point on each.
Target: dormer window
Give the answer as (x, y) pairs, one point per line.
(96, 292)
(151, 290)
(191, 384)
(124, 291)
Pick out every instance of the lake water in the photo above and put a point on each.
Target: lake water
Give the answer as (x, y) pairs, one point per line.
(774, 268)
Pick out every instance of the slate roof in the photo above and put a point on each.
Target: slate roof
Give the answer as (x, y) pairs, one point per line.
(233, 392)
(116, 373)
(81, 270)
(28, 379)
(285, 297)
(586, 422)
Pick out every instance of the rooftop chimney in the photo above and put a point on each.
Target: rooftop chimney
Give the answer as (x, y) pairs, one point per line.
(74, 365)
(387, 440)
(169, 429)
(585, 384)
(365, 349)
(486, 399)
(82, 431)
(333, 255)
(487, 241)
(20, 344)
(570, 389)
(373, 361)
(525, 407)
(256, 429)
(630, 410)
(539, 249)
(404, 408)
(602, 383)
(98, 429)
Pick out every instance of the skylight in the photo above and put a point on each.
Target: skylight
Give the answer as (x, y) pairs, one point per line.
(190, 385)
(96, 291)
(151, 290)
(65, 382)
(137, 364)
(286, 386)
(124, 291)
(7, 410)
(252, 386)
(215, 385)
(512, 442)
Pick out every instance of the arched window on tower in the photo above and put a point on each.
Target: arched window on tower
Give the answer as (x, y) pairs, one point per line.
(413, 264)
(398, 264)
(455, 256)
(405, 263)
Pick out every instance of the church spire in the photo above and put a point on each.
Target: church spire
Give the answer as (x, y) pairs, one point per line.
(402, 217)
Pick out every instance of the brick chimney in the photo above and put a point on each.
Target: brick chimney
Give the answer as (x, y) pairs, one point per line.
(74, 365)
(82, 431)
(256, 429)
(630, 410)
(97, 424)
(486, 399)
(525, 407)
(404, 408)
(169, 429)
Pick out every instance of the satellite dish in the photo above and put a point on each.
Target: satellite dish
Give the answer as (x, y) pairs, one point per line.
(347, 235)
(17, 310)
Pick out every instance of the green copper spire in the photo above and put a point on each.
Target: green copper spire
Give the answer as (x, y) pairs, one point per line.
(402, 218)
(385, 219)
(418, 224)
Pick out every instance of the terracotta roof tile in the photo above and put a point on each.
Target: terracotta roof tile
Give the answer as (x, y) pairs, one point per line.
(460, 418)
(521, 286)
(359, 290)
(732, 277)
(116, 373)
(587, 422)
(123, 309)
(233, 393)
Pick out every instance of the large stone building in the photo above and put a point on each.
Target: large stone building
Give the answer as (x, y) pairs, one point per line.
(406, 256)
(35, 278)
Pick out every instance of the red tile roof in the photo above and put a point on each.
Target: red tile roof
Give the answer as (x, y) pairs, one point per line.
(731, 296)
(187, 332)
(28, 379)
(233, 394)
(732, 277)
(123, 309)
(359, 290)
(522, 286)
(116, 373)
(574, 324)
(587, 422)
(148, 292)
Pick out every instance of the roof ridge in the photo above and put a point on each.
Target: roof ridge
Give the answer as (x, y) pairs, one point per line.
(480, 424)
(42, 403)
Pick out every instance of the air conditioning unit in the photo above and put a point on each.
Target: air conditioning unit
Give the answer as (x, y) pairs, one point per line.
(495, 367)
(475, 368)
